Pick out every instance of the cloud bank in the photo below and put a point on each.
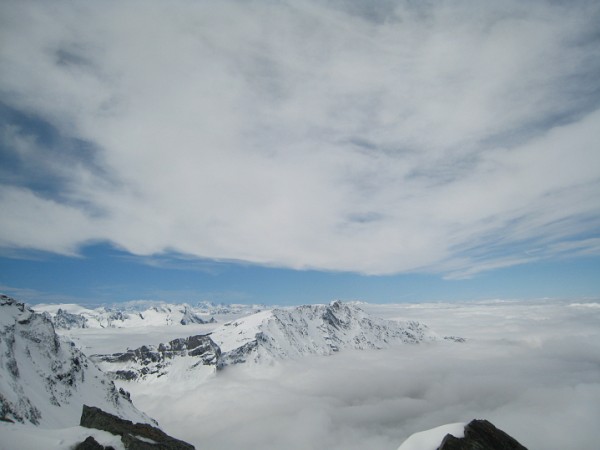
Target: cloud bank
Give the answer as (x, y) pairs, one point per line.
(449, 137)
(531, 369)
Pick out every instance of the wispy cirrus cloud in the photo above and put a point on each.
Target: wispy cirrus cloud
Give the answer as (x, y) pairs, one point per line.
(431, 137)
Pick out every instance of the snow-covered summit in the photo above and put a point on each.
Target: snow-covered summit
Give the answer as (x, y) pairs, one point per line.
(312, 330)
(215, 309)
(44, 379)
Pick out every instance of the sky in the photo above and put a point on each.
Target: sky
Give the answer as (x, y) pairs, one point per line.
(285, 152)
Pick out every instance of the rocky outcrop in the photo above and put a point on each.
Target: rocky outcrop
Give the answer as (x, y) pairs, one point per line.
(91, 444)
(150, 360)
(135, 436)
(481, 435)
(68, 321)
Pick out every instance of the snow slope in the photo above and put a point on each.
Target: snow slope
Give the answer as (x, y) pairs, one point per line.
(44, 379)
(312, 330)
(431, 439)
(28, 437)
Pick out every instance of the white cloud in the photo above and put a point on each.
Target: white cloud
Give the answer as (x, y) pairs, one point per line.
(529, 367)
(452, 138)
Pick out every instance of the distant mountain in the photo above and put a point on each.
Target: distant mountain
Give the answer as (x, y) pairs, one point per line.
(270, 335)
(215, 309)
(44, 379)
(312, 330)
(69, 316)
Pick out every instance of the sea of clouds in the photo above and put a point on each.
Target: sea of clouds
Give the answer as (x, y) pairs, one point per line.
(532, 368)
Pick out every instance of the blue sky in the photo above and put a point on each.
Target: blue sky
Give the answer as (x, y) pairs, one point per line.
(405, 151)
(104, 275)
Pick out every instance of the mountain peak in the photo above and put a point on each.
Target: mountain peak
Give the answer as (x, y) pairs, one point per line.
(44, 379)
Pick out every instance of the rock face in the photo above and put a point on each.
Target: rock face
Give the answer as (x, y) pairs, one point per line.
(67, 321)
(481, 435)
(135, 436)
(154, 361)
(91, 444)
(44, 379)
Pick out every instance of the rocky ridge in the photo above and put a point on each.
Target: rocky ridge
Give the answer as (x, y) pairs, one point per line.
(149, 361)
(481, 435)
(134, 436)
(44, 379)
(476, 435)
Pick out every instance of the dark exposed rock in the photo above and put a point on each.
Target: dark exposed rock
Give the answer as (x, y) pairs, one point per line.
(134, 443)
(135, 436)
(127, 375)
(481, 435)
(154, 360)
(241, 354)
(91, 444)
(67, 321)
(458, 339)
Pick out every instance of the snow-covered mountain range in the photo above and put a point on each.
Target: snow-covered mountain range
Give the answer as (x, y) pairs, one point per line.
(71, 316)
(266, 336)
(140, 314)
(311, 330)
(44, 379)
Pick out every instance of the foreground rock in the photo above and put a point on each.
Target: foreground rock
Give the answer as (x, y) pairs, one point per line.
(135, 436)
(476, 435)
(481, 435)
(91, 444)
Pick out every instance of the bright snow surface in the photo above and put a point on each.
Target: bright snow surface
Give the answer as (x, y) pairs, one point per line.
(45, 380)
(431, 439)
(530, 367)
(28, 437)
